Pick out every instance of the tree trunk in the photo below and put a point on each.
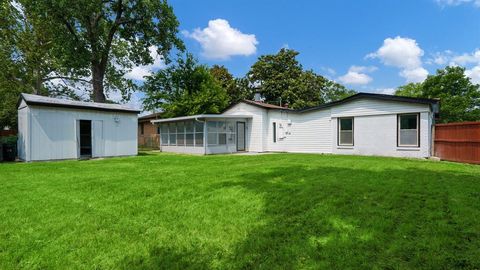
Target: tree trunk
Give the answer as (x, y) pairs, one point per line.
(98, 73)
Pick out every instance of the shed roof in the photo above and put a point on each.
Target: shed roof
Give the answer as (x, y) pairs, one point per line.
(56, 102)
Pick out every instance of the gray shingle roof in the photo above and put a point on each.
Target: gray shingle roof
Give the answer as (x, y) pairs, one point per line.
(56, 102)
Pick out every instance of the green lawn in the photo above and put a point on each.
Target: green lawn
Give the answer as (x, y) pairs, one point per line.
(283, 211)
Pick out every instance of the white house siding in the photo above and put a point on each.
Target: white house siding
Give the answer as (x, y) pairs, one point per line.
(300, 132)
(375, 128)
(256, 126)
(367, 106)
(53, 133)
(23, 112)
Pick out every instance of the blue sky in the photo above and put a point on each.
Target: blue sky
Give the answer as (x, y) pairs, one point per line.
(370, 46)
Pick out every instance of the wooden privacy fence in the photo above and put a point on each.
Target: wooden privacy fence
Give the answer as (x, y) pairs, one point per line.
(458, 142)
(149, 141)
(4, 133)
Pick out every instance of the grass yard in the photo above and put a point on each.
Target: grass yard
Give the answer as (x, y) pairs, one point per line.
(279, 211)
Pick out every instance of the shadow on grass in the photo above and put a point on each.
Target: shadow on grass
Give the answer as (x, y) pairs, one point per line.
(337, 218)
(167, 258)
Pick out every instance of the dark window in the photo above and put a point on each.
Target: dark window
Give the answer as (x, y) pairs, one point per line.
(158, 129)
(345, 131)
(408, 130)
(274, 132)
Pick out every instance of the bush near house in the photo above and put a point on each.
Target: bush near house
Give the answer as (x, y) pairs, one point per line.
(282, 211)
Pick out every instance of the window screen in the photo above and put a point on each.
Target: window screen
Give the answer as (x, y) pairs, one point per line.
(345, 131)
(408, 130)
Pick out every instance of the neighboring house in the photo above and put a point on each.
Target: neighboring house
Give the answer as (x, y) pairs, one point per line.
(52, 129)
(362, 124)
(148, 133)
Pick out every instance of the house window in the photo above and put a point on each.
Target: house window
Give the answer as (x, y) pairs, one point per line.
(142, 128)
(345, 131)
(408, 130)
(274, 132)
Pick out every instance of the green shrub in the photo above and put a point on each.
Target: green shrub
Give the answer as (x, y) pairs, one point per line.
(9, 140)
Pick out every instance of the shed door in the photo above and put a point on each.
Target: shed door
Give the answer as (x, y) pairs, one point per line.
(98, 139)
(240, 136)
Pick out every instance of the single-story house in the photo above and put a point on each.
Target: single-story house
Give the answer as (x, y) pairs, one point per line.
(148, 133)
(54, 129)
(362, 124)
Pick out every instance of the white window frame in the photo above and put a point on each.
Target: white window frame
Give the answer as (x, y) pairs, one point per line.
(339, 126)
(417, 145)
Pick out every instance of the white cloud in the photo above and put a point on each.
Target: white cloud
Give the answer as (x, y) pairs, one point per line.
(405, 54)
(444, 3)
(356, 75)
(139, 72)
(363, 69)
(474, 74)
(415, 75)
(399, 52)
(467, 58)
(386, 91)
(440, 58)
(220, 41)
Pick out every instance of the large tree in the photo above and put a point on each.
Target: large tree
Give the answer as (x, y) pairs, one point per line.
(281, 79)
(103, 39)
(237, 88)
(184, 88)
(459, 97)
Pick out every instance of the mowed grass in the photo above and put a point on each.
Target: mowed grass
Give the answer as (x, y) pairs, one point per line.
(279, 211)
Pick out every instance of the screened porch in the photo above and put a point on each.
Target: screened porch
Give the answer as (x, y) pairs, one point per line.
(203, 134)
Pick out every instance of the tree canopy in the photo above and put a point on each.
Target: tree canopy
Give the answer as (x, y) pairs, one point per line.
(281, 80)
(184, 88)
(103, 39)
(237, 88)
(459, 97)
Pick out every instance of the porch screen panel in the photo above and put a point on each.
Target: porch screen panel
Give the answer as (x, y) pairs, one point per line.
(198, 133)
(189, 133)
(164, 134)
(172, 133)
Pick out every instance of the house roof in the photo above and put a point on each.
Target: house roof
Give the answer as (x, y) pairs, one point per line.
(265, 105)
(200, 116)
(148, 117)
(56, 102)
(432, 102)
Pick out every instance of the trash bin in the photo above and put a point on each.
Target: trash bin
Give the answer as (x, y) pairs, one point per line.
(9, 152)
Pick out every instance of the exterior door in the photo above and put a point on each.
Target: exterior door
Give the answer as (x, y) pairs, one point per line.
(85, 137)
(241, 136)
(98, 140)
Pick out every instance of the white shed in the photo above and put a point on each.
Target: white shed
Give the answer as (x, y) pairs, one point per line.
(55, 129)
